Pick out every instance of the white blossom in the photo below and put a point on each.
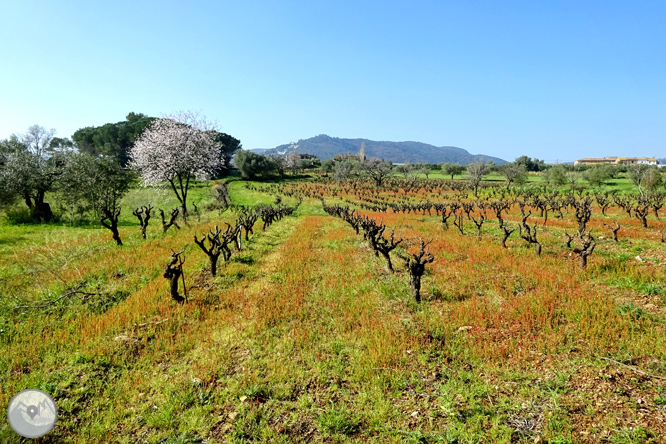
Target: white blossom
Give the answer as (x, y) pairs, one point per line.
(177, 144)
(175, 149)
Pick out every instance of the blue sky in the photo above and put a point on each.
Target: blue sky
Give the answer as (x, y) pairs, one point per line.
(550, 79)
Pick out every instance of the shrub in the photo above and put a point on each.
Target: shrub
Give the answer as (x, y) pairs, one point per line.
(19, 215)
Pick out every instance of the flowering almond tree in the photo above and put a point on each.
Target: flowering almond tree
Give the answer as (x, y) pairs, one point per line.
(175, 149)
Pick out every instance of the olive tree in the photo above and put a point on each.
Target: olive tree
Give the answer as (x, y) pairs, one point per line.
(344, 170)
(176, 149)
(410, 171)
(572, 177)
(476, 171)
(8, 147)
(424, 168)
(452, 169)
(597, 175)
(327, 166)
(280, 164)
(29, 169)
(647, 178)
(555, 176)
(93, 183)
(252, 165)
(378, 170)
(97, 184)
(514, 173)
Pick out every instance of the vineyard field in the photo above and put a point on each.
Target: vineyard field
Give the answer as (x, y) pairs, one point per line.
(305, 335)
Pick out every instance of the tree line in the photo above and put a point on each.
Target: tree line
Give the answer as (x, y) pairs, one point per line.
(92, 171)
(254, 166)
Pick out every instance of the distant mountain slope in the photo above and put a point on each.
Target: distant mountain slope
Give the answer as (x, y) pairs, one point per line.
(326, 147)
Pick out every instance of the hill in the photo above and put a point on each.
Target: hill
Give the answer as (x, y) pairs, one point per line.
(326, 147)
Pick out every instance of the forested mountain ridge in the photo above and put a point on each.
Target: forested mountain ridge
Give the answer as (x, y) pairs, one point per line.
(326, 147)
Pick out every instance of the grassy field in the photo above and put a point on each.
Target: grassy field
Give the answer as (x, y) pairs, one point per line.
(304, 337)
(619, 184)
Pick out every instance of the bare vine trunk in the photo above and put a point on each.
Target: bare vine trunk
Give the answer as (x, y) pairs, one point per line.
(112, 224)
(415, 285)
(173, 272)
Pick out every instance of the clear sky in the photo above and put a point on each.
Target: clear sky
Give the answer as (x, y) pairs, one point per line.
(550, 79)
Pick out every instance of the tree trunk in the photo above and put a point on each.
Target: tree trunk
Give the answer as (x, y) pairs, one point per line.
(507, 233)
(116, 236)
(41, 209)
(583, 261)
(213, 264)
(415, 285)
(28, 200)
(389, 265)
(113, 219)
(373, 245)
(173, 275)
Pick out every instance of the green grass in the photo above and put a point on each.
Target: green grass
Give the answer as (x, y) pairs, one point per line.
(620, 184)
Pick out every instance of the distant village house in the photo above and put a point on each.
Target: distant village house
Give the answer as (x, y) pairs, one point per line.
(612, 160)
